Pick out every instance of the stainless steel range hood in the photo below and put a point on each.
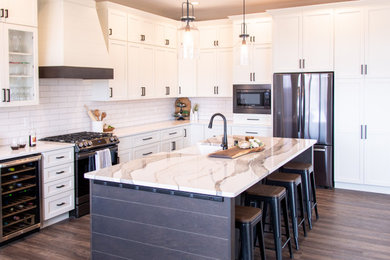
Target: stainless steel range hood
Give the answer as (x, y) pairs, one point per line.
(71, 41)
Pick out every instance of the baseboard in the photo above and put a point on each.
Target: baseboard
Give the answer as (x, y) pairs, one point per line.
(54, 220)
(362, 187)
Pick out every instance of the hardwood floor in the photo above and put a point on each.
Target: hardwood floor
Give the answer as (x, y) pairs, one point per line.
(352, 225)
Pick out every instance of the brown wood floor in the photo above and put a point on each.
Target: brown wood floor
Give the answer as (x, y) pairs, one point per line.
(352, 225)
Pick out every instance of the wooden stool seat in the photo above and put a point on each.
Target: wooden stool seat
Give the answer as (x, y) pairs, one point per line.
(285, 177)
(247, 214)
(262, 190)
(299, 166)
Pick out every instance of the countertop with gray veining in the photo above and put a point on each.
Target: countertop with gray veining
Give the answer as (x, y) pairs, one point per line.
(191, 170)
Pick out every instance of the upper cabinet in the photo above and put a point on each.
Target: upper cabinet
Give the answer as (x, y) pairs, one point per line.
(361, 46)
(216, 36)
(166, 35)
(21, 12)
(18, 54)
(165, 72)
(258, 70)
(303, 40)
(140, 30)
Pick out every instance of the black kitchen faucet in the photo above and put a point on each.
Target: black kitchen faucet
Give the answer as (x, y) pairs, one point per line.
(224, 139)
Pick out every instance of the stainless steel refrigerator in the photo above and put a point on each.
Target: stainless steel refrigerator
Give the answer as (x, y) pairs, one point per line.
(303, 108)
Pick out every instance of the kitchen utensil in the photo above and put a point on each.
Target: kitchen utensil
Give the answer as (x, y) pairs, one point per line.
(96, 113)
(235, 152)
(103, 116)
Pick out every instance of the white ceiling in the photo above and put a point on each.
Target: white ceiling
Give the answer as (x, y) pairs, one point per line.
(214, 9)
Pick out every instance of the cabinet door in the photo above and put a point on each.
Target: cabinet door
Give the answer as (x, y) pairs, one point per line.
(117, 25)
(171, 75)
(262, 64)
(286, 43)
(317, 40)
(118, 60)
(348, 166)
(187, 78)
(225, 36)
(378, 42)
(160, 73)
(166, 35)
(133, 74)
(140, 30)
(207, 37)
(20, 68)
(376, 95)
(142, 151)
(22, 12)
(224, 69)
(207, 64)
(261, 31)
(349, 43)
(146, 72)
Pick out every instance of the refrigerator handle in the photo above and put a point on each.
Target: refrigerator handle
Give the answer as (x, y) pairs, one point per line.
(299, 111)
(361, 132)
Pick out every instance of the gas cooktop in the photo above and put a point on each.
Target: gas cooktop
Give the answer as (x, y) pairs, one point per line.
(85, 140)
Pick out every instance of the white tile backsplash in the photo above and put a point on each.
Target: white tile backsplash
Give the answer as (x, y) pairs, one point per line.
(61, 110)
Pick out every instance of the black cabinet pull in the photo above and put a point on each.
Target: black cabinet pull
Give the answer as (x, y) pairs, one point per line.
(110, 31)
(6, 13)
(185, 132)
(167, 92)
(4, 95)
(111, 92)
(303, 63)
(173, 146)
(144, 154)
(300, 63)
(143, 37)
(61, 204)
(173, 133)
(59, 187)
(254, 38)
(252, 119)
(254, 76)
(9, 95)
(253, 133)
(60, 157)
(166, 42)
(250, 76)
(1, 12)
(217, 43)
(365, 67)
(146, 139)
(217, 90)
(60, 172)
(179, 90)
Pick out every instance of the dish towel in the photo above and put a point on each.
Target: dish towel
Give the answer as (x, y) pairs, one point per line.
(103, 159)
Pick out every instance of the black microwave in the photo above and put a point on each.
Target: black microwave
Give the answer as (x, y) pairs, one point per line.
(252, 99)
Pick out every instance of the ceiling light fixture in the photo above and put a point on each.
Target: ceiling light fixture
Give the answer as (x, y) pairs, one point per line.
(244, 52)
(188, 33)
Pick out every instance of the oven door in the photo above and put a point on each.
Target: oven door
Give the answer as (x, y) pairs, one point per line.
(85, 162)
(251, 100)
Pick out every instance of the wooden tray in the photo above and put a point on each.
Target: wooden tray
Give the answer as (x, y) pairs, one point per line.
(234, 152)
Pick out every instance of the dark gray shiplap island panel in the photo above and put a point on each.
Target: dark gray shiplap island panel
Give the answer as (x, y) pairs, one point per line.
(135, 224)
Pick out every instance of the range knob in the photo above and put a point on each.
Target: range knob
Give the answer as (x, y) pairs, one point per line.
(80, 144)
(86, 143)
(116, 138)
(112, 139)
(89, 143)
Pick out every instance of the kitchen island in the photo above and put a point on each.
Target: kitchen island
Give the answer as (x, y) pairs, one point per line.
(179, 205)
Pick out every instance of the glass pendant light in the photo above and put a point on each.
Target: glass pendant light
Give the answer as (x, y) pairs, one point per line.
(188, 33)
(244, 50)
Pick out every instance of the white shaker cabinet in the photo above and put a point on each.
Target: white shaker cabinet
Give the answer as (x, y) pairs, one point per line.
(303, 41)
(118, 60)
(21, 12)
(165, 72)
(166, 35)
(218, 36)
(140, 30)
(117, 25)
(187, 78)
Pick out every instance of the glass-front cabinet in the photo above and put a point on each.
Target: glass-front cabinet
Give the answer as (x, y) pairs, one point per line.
(18, 65)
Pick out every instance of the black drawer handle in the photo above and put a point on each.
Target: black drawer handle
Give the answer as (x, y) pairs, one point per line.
(61, 186)
(60, 157)
(61, 204)
(110, 31)
(6, 13)
(144, 154)
(146, 139)
(1, 12)
(173, 133)
(60, 172)
(254, 133)
(253, 119)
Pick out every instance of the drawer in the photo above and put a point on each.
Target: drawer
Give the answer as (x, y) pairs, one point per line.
(262, 119)
(59, 186)
(58, 157)
(148, 138)
(58, 172)
(125, 143)
(252, 131)
(143, 151)
(58, 204)
(172, 133)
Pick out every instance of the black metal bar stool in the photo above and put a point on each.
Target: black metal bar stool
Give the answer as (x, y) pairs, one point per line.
(309, 186)
(293, 185)
(275, 198)
(246, 219)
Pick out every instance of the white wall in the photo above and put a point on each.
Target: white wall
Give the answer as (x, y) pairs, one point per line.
(61, 110)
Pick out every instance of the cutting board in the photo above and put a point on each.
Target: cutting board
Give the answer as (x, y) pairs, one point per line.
(235, 152)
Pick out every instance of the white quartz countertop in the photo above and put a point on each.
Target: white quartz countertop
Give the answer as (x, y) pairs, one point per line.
(191, 171)
(7, 153)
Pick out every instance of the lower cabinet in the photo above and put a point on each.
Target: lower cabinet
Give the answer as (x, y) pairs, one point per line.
(145, 150)
(58, 193)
